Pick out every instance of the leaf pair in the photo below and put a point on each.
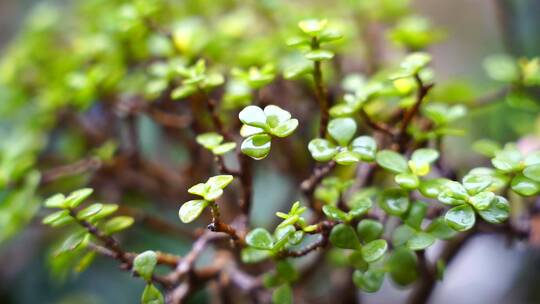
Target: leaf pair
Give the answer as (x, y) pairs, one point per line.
(526, 181)
(340, 148)
(195, 78)
(408, 172)
(262, 244)
(209, 191)
(472, 195)
(261, 125)
(214, 142)
(255, 77)
(371, 249)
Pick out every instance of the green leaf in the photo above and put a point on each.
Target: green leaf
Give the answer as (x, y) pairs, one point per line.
(359, 205)
(420, 160)
(402, 266)
(107, 210)
(346, 158)
(374, 250)
(253, 116)
(73, 242)
(260, 238)
(482, 200)
(416, 214)
(401, 235)
(151, 295)
(369, 281)
(284, 235)
(191, 210)
(329, 36)
(460, 218)
(334, 213)
(501, 68)
(322, 150)
(312, 27)
(89, 211)
(117, 224)
(356, 260)
(286, 270)
(532, 172)
(392, 161)
(253, 255)
(524, 186)
(77, 197)
(56, 201)
(301, 68)
(507, 160)
(219, 181)
(343, 236)
(453, 194)
(425, 156)
(431, 188)
(212, 194)
(497, 212)
(199, 189)
(440, 229)
(407, 181)
(532, 158)
(476, 183)
(412, 64)
(144, 264)
(420, 241)
(276, 116)
(183, 91)
(342, 130)
(394, 201)
(224, 148)
(214, 80)
(365, 146)
(297, 41)
(283, 295)
(369, 230)
(256, 146)
(319, 55)
(285, 129)
(209, 140)
(486, 147)
(58, 216)
(246, 131)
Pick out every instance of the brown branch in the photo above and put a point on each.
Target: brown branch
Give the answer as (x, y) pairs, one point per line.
(218, 226)
(381, 127)
(246, 179)
(426, 283)
(323, 230)
(422, 91)
(76, 168)
(223, 169)
(157, 223)
(320, 91)
(308, 186)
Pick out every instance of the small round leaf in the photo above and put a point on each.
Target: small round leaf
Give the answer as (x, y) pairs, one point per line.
(144, 264)
(321, 149)
(392, 161)
(374, 250)
(191, 210)
(342, 130)
(256, 146)
(460, 218)
(260, 238)
(343, 236)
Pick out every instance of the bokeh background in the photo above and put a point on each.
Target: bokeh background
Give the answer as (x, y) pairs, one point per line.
(488, 270)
